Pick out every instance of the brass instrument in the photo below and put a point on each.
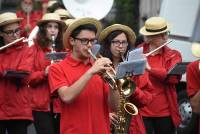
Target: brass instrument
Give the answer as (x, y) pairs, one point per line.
(125, 87)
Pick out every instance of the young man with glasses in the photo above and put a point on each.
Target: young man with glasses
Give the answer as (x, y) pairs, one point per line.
(86, 98)
(15, 109)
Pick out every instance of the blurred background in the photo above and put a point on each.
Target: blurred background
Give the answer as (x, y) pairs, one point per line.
(183, 15)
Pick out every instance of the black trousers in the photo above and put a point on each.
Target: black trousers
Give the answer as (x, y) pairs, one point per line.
(43, 122)
(14, 126)
(56, 122)
(159, 125)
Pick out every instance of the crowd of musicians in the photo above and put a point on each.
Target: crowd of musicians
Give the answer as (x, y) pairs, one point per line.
(72, 96)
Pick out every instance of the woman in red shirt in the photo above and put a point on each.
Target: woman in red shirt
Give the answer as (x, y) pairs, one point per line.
(16, 64)
(48, 39)
(115, 41)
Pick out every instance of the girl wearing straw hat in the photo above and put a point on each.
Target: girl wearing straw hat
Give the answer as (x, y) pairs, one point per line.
(115, 41)
(48, 39)
(161, 116)
(15, 65)
(193, 82)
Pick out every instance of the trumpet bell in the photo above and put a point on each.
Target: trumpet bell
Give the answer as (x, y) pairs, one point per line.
(130, 108)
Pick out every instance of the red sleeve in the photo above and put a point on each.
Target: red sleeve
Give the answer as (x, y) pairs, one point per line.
(1, 71)
(161, 73)
(36, 78)
(26, 63)
(141, 97)
(56, 78)
(193, 78)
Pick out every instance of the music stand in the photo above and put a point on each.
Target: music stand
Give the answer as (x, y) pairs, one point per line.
(55, 55)
(15, 74)
(178, 68)
(129, 68)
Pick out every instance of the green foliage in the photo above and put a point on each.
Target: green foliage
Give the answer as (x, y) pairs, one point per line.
(127, 13)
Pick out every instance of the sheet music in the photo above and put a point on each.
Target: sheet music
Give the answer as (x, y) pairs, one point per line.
(135, 54)
(135, 65)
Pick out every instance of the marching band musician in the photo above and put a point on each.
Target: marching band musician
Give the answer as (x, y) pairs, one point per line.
(30, 16)
(85, 96)
(115, 42)
(161, 116)
(15, 107)
(50, 25)
(193, 82)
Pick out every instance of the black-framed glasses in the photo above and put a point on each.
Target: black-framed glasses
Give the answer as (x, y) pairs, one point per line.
(118, 43)
(85, 41)
(12, 32)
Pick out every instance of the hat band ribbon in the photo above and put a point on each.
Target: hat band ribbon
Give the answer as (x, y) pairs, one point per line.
(156, 30)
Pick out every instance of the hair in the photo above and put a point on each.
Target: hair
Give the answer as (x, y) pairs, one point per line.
(43, 41)
(106, 44)
(2, 43)
(89, 27)
(55, 6)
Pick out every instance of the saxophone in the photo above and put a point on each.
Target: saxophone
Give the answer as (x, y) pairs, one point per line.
(126, 109)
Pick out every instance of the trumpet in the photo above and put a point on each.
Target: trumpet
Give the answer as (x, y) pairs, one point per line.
(109, 78)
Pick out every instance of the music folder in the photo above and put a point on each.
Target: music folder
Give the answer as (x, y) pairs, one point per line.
(16, 74)
(55, 55)
(178, 68)
(129, 68)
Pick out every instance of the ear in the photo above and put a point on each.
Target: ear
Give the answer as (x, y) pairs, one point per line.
(71, 41)
(1, 34)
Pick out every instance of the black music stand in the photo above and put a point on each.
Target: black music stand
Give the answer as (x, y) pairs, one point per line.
(178, 68)
(15, 74)
(55, 55)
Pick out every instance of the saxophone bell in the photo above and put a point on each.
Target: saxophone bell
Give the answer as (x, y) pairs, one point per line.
(130, 108)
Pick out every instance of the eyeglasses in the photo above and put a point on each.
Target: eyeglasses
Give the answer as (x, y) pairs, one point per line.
(12, 32)
(118, 43)
(85, 41)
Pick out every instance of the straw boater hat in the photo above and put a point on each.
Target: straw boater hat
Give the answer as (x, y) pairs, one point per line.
(69, 21)
(63, 13)
(8, 18)
(120, 27)
(50, 17)
(196, 49)
(75, 24)
(154, 26)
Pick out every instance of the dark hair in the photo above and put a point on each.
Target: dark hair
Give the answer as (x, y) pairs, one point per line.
(43, 41)
(55, 6)
(89, 27)
(106, 44)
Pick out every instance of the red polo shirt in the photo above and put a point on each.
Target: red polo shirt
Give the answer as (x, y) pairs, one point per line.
(193, 78)
(88, 113)
(164, 102)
